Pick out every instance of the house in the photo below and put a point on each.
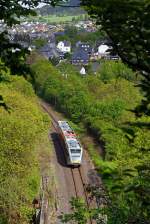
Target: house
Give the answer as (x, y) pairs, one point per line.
(52, 41)
(64, 46)
(85, 47)
(83, 71)
(51, 52)
(103, 50)
(80, 57)
(55, 53)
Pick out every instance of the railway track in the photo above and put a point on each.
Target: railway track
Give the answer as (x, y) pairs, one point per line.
(77, 174)
(79, 184)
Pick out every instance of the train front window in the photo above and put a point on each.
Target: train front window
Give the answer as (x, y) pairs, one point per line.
(72, 143)
(75, 150)
(74, 146)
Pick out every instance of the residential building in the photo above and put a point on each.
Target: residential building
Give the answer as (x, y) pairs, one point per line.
(85, 47)
(83, 71)
(64, 46)
(80, 57)
(51, 52)
(103, 50)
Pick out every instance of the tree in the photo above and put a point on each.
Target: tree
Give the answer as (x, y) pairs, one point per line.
(11, 11)
(127, 23)
(104, 109)
(12, 55)
(115, 70)
(81, 213)
(40, 42)
(54, 61)
(19, 143)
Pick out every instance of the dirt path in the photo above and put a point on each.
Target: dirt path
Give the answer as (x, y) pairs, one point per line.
(64, 177)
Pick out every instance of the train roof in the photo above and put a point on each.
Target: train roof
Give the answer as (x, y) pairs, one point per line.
(70, 136)
(73, 143)
(66, 129)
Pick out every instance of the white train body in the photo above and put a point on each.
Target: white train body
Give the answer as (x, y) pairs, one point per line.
(72, 147)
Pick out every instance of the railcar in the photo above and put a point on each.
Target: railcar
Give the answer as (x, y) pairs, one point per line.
(72, 147)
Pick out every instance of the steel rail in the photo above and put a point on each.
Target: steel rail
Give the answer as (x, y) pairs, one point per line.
(54, 123)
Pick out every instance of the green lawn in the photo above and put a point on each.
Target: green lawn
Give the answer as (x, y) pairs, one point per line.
(55, 19)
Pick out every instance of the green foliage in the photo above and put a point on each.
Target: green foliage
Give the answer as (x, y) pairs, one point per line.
(12, 55)
(129, 34)
(71, 31)
(80, 212)
(55, 18)
(60, 11)
(105, 110)
(129, 30)
(67, 56)
(114, 70)
(67, 68)
(73, 35)
(21, 130)
(92, 37)
(39, 42)
(62, 38)
(42, 69)
(54, 61)
(110, 111)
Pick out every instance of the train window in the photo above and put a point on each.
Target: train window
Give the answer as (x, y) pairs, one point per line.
(73, 143)
(75, 150)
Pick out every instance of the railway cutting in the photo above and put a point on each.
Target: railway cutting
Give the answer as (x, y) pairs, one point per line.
(73, 167)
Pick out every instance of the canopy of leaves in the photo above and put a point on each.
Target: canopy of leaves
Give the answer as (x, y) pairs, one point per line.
(104, 108)
(21, 129)
(73, 35)
(127, 23)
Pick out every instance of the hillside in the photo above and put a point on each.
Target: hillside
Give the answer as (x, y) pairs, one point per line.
(23, 126)
(49, 10)
(103, 105)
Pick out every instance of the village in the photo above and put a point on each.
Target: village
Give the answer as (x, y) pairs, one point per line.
(55, 45)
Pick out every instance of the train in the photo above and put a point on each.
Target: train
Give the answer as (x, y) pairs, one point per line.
(72, 147)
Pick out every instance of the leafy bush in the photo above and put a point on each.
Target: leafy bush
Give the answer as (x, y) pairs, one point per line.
(115, 70)
(21, 129)
(104, 107)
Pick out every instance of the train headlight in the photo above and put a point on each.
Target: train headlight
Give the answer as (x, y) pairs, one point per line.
(76, 161)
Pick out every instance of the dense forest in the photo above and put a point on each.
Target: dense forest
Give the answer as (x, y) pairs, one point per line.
(23, 126)
(103, 104)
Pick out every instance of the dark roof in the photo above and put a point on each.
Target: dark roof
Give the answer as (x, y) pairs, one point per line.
(85, 47)
(106, 41)
(80, 55)
(45, 48)
(54, 53)
(61, 33)
(50, 52)
(66, 43)
(52, 38)
(84, 43)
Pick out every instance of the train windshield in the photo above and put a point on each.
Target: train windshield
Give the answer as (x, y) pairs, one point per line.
(75, 150)
(74, 146)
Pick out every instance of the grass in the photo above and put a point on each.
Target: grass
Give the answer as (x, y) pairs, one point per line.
(54, 19)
